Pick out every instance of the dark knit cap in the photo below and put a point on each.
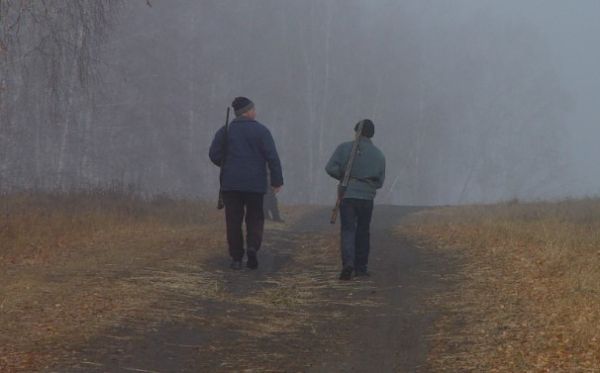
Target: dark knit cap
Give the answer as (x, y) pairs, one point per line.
(368, 129)
(241, 105)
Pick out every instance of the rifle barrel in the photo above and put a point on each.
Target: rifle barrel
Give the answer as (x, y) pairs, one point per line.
(345, 180)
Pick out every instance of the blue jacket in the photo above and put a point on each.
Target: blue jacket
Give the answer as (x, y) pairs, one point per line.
(250, 150)
(368, 170)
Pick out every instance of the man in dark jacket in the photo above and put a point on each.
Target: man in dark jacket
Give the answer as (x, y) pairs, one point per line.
(367, 175)
(249, 149)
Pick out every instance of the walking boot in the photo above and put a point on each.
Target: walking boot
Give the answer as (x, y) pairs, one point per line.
(346, 274)
(236, 265)
(252, 262)
(361, 272)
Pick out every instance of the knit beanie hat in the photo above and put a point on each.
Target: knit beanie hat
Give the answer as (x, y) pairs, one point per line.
(241, 105)
(368, 129)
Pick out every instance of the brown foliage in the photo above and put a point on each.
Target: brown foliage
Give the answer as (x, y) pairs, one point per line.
(529, 293)
(64, 260)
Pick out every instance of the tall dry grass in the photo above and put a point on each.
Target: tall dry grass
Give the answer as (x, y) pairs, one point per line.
(81, 268)
(36, 227)
(67, 261)
(528, 297)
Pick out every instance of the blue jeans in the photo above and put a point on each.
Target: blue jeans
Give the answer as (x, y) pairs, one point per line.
(355, 217)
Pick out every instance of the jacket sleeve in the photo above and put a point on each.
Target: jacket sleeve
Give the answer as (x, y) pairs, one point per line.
(216, 148)
(272, 158)
(381, 176)
(335, 166)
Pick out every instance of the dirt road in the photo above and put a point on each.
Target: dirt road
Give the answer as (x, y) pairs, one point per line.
(291, 315)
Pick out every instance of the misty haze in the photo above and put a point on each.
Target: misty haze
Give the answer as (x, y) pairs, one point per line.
(485, 230)
(471, 100)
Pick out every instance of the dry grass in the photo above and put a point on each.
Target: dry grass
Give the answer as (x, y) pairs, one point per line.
(36, 228)
(67, 265)
(81, 267)
(528, 297)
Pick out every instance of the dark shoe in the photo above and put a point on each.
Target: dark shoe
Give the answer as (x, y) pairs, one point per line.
(252, 262)
(362, 273)
(346, 274)
(236, 264)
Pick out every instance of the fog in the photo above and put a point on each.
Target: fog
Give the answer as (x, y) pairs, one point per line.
(570, 32)
(472, 100)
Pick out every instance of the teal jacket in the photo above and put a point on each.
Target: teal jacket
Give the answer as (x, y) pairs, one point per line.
(368, 170)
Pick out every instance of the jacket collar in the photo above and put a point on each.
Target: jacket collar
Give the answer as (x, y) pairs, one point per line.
(242, 118)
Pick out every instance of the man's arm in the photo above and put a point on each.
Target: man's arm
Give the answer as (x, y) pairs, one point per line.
(381, 176)
(335, 166)
(273, 161)
(217, 148)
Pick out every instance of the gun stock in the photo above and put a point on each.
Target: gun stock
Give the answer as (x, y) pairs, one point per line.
(346, 177)
(220, 202)
(334, 212)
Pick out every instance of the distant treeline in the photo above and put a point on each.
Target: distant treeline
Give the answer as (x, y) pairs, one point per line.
(466, 109)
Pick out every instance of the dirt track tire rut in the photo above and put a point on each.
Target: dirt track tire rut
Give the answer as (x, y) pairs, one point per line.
(291, 315)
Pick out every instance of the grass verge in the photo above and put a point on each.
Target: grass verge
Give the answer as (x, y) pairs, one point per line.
(85, 276)
(67, 265)
(528, 295)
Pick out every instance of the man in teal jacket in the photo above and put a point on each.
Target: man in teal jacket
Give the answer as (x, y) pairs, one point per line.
(367, 175)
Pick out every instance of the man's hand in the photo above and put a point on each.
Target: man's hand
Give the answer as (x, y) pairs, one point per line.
(276, 189)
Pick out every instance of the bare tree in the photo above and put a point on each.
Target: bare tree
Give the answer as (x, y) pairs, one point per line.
(459, 120)
(48, 67)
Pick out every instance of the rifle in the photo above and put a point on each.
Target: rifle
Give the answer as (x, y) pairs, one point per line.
(343, 185)
(220, 203)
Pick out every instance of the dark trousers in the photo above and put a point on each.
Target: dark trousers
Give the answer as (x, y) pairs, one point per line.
(240, 205)
(355, 217)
